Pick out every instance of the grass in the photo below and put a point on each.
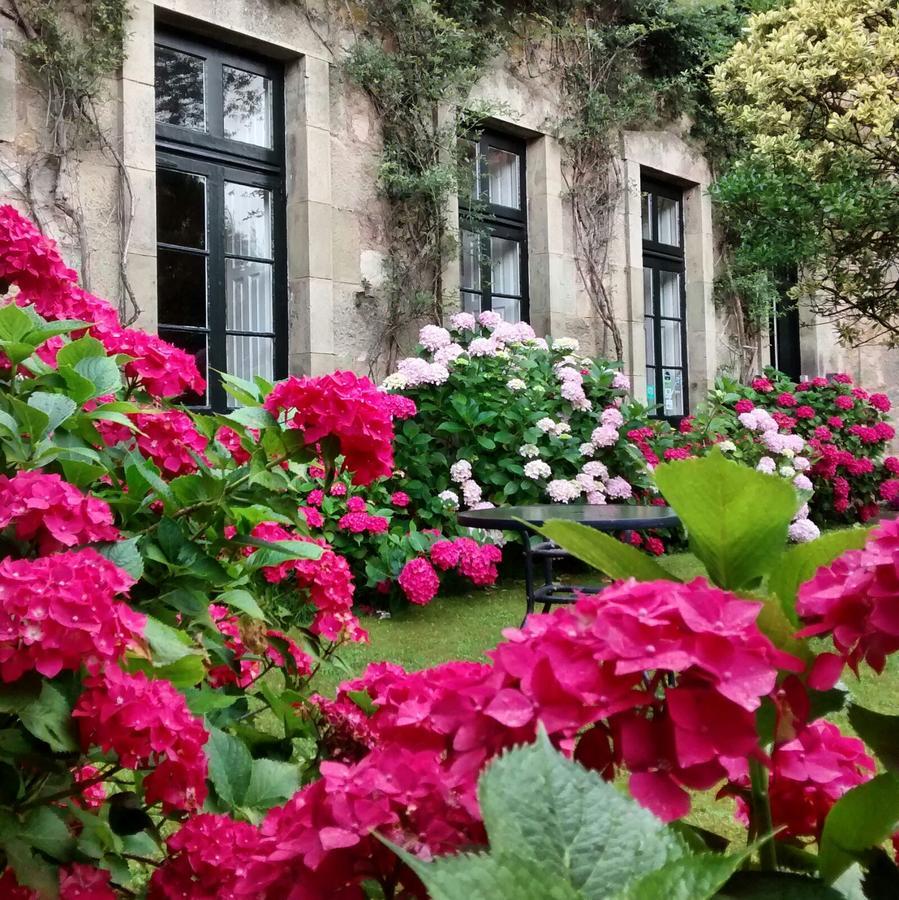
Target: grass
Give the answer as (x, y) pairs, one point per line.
(466, 625)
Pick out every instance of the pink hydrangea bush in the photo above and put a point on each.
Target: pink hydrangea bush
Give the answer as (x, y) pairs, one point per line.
(827, 434)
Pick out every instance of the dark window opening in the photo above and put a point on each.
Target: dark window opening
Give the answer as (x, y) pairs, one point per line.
(221, 249)
(493, 228)
(664, 298)
(784, 331)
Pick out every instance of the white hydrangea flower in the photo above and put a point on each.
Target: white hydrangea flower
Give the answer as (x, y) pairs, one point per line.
(460, 471)
(561, 428)
(395, 381)
(787, 472)
(562, 491)
(569, 345)
(537, 469)
(450, 498)
(516, 384)
(727, 446)
(546, 425)
(529, 451)
(596, 469)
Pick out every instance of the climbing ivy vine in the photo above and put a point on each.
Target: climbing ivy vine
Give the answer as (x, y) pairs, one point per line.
(70, 49)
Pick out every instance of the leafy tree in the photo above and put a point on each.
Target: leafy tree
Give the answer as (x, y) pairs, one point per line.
(814, 87)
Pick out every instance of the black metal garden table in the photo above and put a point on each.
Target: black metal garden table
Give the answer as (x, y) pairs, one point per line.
(612, 517)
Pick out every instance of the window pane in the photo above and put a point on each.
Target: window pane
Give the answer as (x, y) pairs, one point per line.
(181, 288)
(248, 220)
(469, 187)
(180, 89)
(505, 258)
(648, 326)
(180, 208)
(470, 256)
(471, 303)
(248, 295)
(503, 178)
(651, 398)
(671, 343)
(647, 292)
(249, 356)
(669, 292)
(669, 220)
(672, 392)
(508, 308)
(194, 343)
(248, 107)
(646, 215)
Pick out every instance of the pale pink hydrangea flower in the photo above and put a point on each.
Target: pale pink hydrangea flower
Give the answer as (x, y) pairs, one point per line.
(451, 498)
(621, 382)
(561, 428)
(419, 371)
(801, 464)
(528, 451)
(463, 321)
(484, 504)
(482, 347)
(546, 425)
(450, 353)
(803, 482)
(618, 488)
(460, 471)
(587, 482)
(766, 465)
(596, 469)
(604, 436)
(540, 344)
(596, 498)
(611, 416)
(804, 530)
(433, 337)
(471, 493)
(586, 449)
(513, 332)
(490, 319)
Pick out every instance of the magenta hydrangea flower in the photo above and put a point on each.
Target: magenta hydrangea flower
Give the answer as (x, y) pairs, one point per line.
(419, 581)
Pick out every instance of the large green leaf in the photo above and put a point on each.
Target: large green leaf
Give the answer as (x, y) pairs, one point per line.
(56, 407)
(243, 601)
(880, 732)
(736, 518)
(559, 831)
(776, 886)
(603, 552)
(230, 766)
(124, 554)
(862, 818)
(167, 644)
(49, 718)
(271, 782)
(798, 564)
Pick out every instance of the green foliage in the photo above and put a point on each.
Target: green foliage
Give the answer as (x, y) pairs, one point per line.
(862, 818)
(557, 830)
(736, 518)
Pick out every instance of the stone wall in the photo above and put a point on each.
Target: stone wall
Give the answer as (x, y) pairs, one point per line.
(335, 217)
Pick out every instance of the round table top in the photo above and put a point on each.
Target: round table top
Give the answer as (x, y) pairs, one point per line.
(611, 517)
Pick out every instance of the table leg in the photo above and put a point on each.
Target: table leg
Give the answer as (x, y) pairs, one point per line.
(528, 576)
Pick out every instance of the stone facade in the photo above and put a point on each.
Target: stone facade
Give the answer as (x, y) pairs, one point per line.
(335, 217)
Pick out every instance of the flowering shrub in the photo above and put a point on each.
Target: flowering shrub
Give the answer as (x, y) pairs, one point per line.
(827, 435)
(146, 552)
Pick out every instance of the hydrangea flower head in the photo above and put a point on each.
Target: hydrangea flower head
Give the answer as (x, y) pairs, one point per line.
(618, 488)
(604, 436)
(566, 345)
(419, 581)
(611, 417)
(433, 337)
(537, 469)
(463, 321)
(60, 612)
(344, 406)
(489, 319)
(803, 530)
(562, 491)
(460, 471)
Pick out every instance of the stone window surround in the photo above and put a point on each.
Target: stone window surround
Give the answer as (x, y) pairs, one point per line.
(308, 174)
(666, 156)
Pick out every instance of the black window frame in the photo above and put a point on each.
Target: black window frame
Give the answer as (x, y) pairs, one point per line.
(219, 159)
(487, 220)
(657, 257)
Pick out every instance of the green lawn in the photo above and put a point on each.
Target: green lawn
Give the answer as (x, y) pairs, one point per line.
(465, 625)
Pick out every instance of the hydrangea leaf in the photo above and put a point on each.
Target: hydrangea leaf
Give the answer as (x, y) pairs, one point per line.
(242, 600)
(776, 886)
(230, 766)
(879, 732)
(863, 817)
(271, 782)
(49, 718)
(798, 564)
(124, 554)
(603, 552)
(56, 407)
(687, 878)
(736, 518)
